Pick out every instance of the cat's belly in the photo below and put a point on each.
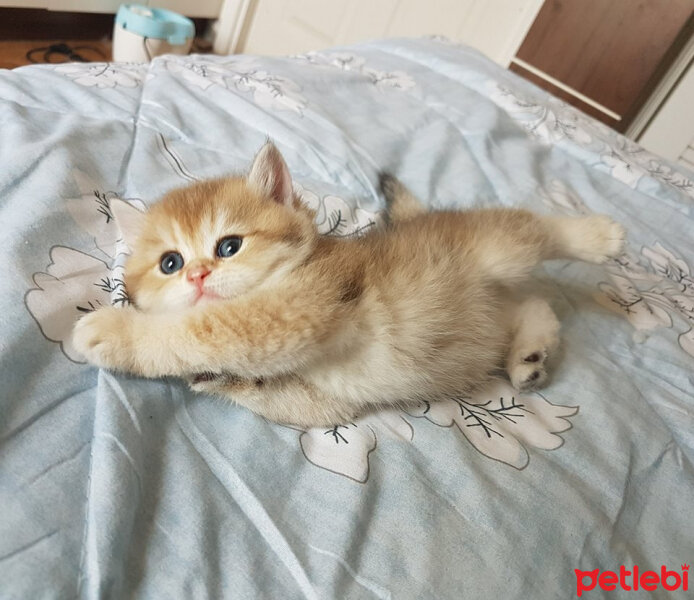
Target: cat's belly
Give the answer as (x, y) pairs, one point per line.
(381, 374)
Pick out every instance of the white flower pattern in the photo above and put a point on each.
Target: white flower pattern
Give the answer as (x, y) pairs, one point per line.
(651, 292)
(346, 61)
(498, 421)
(198, 72)
(553, 120)
(105, 75)
(502, 423)
(92, 212)
(335, 216)
(549, 121)
(75, 282)
(647, 292)
(345, 449)
(268, 90)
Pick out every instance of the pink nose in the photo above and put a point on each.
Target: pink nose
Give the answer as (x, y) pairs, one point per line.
(197, 275)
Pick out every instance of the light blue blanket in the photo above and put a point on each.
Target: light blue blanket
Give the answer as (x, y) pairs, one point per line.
(115, 487)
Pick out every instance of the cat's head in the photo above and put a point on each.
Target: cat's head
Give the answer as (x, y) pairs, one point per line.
(217, 239)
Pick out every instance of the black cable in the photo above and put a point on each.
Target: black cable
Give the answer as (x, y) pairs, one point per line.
(64, 50)
(144, 43)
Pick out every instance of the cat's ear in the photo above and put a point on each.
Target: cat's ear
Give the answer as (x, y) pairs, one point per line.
(129, 219)
(270, 175)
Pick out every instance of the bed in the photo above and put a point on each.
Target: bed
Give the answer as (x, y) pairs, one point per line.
(115, 487)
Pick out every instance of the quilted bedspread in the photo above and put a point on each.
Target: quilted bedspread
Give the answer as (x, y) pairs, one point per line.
(118, 487)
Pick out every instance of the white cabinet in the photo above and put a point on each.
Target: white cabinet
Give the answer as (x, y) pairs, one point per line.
(190, 8)
(24, 3)
(102, 6)
(496, 27)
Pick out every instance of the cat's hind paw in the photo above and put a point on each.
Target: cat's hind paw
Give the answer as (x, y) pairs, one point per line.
(595, 239)
(528, 370)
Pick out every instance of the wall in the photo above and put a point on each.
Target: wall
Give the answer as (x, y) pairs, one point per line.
(671, 132)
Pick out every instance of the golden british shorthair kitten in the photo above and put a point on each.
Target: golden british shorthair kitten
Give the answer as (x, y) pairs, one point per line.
(235, 290)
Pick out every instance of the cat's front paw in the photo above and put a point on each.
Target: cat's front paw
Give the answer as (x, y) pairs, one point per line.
(103, 338)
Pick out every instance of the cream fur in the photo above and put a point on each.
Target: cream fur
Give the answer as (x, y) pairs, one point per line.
(312, 330)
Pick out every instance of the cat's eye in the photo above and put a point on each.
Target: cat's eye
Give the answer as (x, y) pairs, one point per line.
(170, 263)
(228, 246)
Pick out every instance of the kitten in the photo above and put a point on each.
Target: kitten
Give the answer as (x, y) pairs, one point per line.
(235, 290)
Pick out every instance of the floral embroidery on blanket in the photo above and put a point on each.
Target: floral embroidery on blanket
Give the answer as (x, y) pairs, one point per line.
(243, 74)
(347, 61)
(553, 120)
(105, 75)
(650, 289)
(499, 422)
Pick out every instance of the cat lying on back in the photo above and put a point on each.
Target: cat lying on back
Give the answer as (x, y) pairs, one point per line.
(235, 290)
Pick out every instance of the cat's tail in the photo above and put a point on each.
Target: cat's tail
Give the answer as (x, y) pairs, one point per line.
(402, 204)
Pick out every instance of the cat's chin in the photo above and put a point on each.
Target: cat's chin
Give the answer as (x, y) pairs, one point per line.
(205, 297)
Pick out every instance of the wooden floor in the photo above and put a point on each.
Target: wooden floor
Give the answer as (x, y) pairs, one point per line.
(14, 53)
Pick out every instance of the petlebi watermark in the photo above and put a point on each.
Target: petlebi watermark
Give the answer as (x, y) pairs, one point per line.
(633, 580)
